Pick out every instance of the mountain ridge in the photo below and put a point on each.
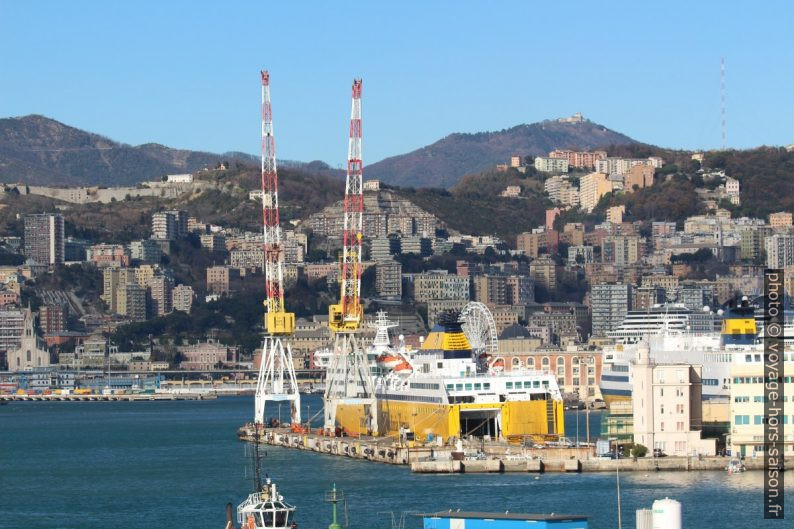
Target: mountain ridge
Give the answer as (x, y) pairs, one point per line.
(35, 149)
(445, 162)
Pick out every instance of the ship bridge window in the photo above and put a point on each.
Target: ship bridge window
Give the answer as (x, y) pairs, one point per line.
(477, 386)
(545, 383)
(459, 387)
(450, 387)
(486, 385)
(620, 367)
(468, 387)
(527, 384)
(509, 385)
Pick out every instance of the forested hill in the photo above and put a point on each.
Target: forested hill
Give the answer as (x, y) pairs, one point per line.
(39, 150)
(446, 161)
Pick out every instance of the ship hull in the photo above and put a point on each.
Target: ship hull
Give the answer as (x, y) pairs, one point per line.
(512, 419)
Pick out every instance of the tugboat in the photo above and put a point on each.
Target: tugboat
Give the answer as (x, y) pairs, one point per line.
(266, 510)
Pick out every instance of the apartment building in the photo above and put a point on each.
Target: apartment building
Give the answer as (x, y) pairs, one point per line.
(551, 165)
(781, 219)
(44, 238)
(779, 251)
(592, 187)
(579, 159)
(439, 284)
(146, 251)
(182, 298)
(388, 279)
(104, 255)
(609, 303)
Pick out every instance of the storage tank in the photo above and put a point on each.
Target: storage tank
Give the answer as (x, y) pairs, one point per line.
(666, 514)
(644, 519)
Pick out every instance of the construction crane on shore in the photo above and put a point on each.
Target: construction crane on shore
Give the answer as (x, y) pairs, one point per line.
(348, 378)
(276, 381)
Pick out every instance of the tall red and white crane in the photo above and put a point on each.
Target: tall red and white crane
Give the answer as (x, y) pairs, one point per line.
(276, 379)
(348, 375)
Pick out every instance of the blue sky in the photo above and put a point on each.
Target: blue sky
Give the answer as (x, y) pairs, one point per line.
(185, 74)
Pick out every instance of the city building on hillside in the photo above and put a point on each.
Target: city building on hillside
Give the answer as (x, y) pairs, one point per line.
(592, 187)
(383, 248)
(668, 407)
(551, 165)
(580, 255)
(638, 177)
(781, 219)
(543, 271)
(219, 279)
(182, 298)
(621, 250)
(609, 304)
(531, 243)
(579, 159)
(169, 225)
(747, 404)
(439, 284)
(248, 259)
(105, 255)
(146, 251)
(732, 190)
(214, 242)
(388, 279)
(615, 214)
(779, 251)
(160, 295)
(44, 238)
(131, 301)
(52, 318)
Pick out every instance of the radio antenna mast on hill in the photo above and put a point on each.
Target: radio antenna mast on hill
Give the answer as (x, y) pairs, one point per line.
(722, 104)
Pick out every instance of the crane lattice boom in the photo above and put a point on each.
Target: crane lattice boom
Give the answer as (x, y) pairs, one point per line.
(277, 319)
(347, 315)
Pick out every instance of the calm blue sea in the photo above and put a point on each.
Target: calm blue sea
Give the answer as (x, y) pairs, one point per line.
(163, 465)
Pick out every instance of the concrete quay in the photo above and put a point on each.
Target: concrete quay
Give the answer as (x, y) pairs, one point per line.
(491, 458)
(108, 398)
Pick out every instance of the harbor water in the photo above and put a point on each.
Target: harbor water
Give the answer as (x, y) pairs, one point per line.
(176, 464)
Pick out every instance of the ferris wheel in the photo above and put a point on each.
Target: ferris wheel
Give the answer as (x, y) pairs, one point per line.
(479, 327)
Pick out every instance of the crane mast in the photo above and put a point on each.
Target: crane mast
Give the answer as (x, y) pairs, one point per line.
(348, 378)
(347, 315)
(276, 379)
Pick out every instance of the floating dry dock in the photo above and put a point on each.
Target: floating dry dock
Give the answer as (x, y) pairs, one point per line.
(493, 457)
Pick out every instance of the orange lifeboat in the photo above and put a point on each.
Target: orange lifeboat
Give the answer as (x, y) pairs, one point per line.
(389, 361)
(498, 365)
(403, 369)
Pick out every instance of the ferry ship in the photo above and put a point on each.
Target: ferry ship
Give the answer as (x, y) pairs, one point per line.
(671, 339)
(442, 390)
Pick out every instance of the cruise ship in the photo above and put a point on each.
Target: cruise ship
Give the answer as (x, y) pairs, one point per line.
(442, 390)
(674, 317)
(671, 339)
